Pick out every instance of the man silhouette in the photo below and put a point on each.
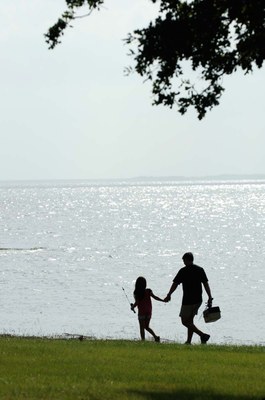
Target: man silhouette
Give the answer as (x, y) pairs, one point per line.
(192, 277)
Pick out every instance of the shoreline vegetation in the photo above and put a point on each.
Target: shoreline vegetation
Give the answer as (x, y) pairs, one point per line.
(93, 369)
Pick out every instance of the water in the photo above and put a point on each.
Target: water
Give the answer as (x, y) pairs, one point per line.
(68, 248)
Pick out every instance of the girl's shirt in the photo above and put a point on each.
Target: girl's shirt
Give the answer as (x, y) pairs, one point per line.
(145, 304)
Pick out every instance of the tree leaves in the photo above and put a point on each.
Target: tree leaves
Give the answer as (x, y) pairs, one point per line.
(216, 37)
(52, 37)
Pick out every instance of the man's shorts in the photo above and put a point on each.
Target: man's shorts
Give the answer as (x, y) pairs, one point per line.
(189, 311)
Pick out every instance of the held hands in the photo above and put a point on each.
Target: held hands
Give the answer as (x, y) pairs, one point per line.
(167, 298)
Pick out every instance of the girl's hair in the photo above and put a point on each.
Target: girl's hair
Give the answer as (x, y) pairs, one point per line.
(140, 286)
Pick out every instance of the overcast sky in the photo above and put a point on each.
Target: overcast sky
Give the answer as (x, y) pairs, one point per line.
(71, 113)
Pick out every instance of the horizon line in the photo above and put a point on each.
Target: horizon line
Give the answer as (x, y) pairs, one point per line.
(148, 177)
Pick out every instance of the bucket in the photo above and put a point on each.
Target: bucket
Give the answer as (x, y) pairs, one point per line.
(211, 314)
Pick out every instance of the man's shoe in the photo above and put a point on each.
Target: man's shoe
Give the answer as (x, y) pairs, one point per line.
(157, 339)
(205, 338)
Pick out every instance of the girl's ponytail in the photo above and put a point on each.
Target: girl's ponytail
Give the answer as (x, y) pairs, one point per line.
(140, 286)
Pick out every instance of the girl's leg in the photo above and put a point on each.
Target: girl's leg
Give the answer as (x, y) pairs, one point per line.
(142, 326)
(147, 321)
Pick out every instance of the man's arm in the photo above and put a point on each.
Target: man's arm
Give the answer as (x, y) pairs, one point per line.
(208, 291)
(171, 290)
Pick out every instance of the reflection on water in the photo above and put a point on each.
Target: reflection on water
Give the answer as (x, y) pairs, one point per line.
(66, 251)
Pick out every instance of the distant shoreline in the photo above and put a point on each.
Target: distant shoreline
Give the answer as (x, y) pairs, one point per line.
(223, 177)
(141, 180)
(170, 178)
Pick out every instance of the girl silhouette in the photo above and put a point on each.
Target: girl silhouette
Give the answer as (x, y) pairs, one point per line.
(143, 301)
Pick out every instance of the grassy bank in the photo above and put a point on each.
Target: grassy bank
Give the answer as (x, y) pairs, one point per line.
(115, 370)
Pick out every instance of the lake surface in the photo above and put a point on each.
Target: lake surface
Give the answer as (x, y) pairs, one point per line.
(68, 248)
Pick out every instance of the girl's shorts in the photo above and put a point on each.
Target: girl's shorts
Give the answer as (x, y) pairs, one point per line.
(145, 317)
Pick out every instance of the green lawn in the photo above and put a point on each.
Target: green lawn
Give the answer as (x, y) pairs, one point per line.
(97, 370)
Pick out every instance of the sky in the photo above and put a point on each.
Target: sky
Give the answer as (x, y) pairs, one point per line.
(71, 113)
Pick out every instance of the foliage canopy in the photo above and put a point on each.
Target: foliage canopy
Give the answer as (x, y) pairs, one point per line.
(213, 37)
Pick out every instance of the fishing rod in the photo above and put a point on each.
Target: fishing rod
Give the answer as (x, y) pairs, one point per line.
(127, 299)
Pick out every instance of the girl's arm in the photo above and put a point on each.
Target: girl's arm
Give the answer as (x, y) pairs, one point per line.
(133, 305)
(155, 297)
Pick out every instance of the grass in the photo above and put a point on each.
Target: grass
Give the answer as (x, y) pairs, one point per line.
(114, 370)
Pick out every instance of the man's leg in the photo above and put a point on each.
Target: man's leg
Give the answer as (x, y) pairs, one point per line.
(189, 337)
(188, 322)
(187, 314)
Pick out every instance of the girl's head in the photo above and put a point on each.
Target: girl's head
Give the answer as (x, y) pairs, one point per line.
(140, 286)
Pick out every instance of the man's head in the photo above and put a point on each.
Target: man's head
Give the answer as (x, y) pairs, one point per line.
(188, 259)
